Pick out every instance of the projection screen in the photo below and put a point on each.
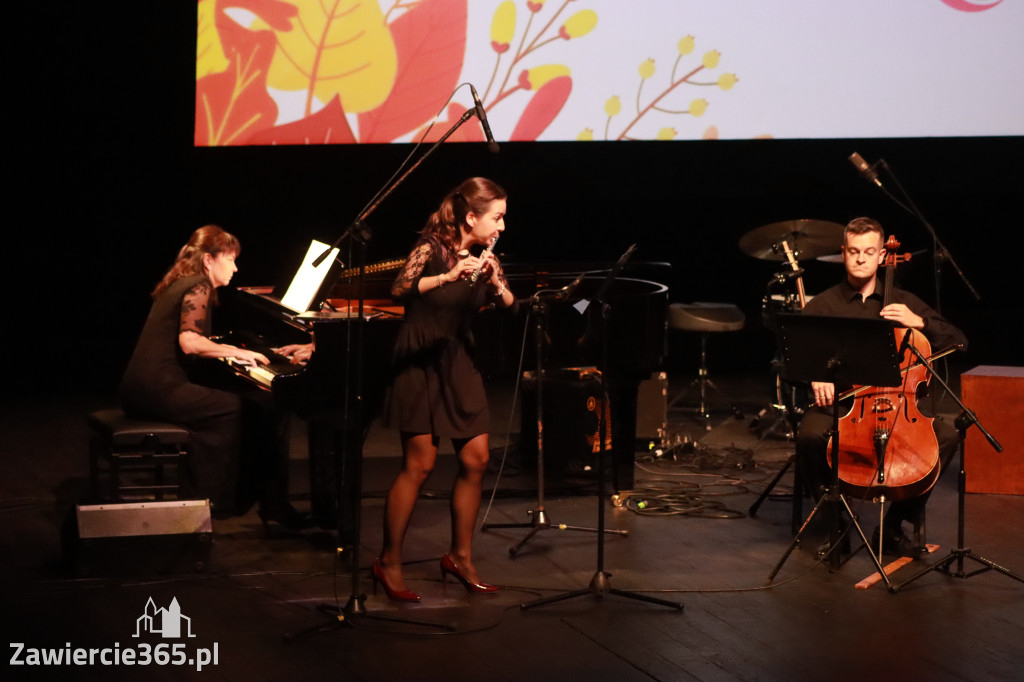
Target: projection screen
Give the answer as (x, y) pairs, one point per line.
(362, 71)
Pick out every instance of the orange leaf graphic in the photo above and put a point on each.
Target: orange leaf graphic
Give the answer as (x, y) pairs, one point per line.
(233, 104)
(431, 41)
(542, 109)
(336, 47)
(327, 126)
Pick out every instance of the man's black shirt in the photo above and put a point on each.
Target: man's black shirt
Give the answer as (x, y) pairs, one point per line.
(843, 300)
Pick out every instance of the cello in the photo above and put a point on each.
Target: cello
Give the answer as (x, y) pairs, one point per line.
(887, 448)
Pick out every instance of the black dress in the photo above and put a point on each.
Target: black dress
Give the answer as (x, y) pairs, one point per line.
(162, 382)
(437, 388)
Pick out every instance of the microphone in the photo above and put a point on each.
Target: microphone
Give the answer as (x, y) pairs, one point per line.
(482, 115)
(866, 170)
(905, 345)
(566, 291)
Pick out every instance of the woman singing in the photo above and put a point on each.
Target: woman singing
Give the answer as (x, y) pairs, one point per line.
(438, 391)
(161, 383)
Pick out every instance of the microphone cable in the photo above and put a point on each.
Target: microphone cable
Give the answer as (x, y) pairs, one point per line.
(511, 416)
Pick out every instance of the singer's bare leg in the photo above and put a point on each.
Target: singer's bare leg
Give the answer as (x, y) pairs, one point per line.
(419, 454)
(465, 503)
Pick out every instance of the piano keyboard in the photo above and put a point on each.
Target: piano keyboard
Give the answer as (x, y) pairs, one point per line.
(264, 374)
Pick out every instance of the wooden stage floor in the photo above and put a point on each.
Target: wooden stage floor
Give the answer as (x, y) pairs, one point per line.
(257, 599)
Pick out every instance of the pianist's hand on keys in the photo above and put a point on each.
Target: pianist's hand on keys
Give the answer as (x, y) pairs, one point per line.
(298, 353)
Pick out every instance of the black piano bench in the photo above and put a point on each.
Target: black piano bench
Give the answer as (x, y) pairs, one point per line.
(142, 459)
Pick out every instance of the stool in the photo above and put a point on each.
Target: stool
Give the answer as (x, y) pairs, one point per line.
(704, 318)
(135, 446)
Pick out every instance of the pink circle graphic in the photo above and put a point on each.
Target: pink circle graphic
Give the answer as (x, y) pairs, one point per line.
(966, 6)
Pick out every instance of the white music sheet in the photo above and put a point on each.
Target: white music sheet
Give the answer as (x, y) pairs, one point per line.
(308, 279)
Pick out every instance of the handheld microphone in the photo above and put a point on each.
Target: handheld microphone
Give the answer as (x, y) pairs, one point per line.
(482, 115)
(866, 170)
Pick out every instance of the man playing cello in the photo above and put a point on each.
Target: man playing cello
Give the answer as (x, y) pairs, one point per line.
(860, 294)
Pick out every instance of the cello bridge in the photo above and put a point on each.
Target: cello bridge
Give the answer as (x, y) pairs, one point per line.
(881, 405)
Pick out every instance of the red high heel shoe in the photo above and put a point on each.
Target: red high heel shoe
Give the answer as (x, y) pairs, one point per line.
(448, 566)
(377, 574)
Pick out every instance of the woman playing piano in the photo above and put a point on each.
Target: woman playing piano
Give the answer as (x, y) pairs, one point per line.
(438, 391)
(163, 382)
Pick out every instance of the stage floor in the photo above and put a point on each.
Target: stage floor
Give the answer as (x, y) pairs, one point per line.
(257, 600)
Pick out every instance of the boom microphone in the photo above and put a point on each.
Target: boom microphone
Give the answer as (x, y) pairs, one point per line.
(482, 115)
(866, 170)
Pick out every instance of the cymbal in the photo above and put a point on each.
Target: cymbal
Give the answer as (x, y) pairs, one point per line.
(807, 239)
(831, 258)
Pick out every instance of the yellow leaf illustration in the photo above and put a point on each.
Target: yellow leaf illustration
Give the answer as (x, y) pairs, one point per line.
(336, 47)
(209, 51)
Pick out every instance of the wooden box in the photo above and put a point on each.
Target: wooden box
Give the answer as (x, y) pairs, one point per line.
(996, 396)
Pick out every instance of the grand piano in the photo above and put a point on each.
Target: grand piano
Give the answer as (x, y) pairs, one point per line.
(323, 391)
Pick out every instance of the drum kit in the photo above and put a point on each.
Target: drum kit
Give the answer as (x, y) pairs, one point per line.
(787, 242)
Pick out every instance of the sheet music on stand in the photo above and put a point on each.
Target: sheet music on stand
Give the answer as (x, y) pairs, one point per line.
(584, 303)
(309, 278)
(842, 350)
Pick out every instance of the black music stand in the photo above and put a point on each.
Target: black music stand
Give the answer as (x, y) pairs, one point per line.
(842, 351)
(539, 519)
(964, 421)
(539, 306)
(600, 583)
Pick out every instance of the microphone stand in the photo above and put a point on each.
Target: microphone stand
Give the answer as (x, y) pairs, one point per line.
(963, 422)
(357, 226)
(940, 252)
(600, 582)
(360, 234)
(539, 519)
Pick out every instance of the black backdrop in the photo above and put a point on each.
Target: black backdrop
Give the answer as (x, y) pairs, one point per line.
(107, 185)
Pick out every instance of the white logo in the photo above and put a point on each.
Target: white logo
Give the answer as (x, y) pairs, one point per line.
(167, 622)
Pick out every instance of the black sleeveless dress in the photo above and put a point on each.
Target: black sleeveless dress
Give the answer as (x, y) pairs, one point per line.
(437, 388)
(156, 385)
(226, 418)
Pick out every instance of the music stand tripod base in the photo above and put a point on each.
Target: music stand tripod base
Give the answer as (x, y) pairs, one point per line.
(539, 521)
(842, 351)
(600, 585)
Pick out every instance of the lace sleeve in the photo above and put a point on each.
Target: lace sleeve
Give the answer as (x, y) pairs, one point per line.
(405, 284)
(499, 294)
(194, 307)
(501, 273)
